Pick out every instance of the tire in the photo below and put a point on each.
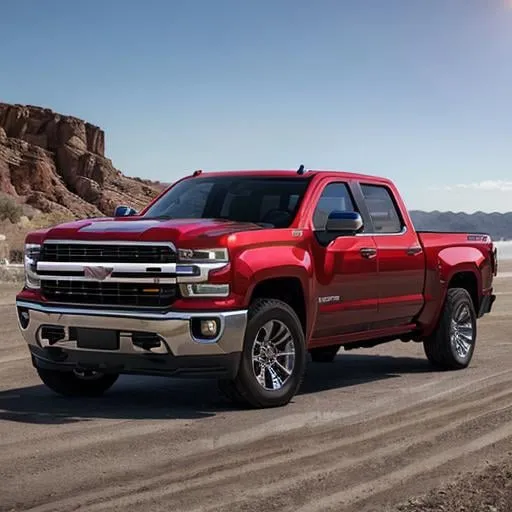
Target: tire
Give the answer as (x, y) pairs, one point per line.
(72, 384)
(324, 354)
(452, 344)
(269, 318)
(228, 389)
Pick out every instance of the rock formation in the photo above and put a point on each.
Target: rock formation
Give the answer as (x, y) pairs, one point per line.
(57, 163)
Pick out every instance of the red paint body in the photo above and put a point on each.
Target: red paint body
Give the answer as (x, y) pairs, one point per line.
(398, 293)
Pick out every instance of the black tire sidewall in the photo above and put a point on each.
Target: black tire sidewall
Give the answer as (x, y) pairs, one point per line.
(461, 297)
(264, 311)
(68, 384)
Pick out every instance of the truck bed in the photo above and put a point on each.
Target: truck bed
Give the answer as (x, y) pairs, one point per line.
(434, 242)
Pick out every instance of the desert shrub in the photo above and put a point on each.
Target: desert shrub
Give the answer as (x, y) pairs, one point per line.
(46, 220)
(30, 212)
(9, 209)
(16, 255)
(11, 275)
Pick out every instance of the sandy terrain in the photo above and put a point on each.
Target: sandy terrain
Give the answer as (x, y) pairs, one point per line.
(365, 433)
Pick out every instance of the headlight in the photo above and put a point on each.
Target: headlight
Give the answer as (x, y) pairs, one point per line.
(203, 255)
(31, 257)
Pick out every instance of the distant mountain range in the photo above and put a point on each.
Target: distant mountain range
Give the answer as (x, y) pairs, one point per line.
(497, 225)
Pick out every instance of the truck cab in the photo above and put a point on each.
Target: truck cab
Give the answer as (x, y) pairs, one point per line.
(241, 275)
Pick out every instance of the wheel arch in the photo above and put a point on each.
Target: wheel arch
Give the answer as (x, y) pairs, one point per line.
(288, 289)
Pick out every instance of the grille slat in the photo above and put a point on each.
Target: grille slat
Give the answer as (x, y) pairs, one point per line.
(99, 253)
(111, 294)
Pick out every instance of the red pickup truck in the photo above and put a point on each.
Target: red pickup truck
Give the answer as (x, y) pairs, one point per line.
(239, 275)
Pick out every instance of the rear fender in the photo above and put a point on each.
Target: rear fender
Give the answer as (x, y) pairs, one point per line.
(439, 276)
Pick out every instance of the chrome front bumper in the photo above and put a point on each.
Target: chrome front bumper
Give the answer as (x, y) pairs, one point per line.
(172, 329)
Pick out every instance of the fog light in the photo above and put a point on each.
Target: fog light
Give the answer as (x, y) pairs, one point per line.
(205, 330)
(209, 328)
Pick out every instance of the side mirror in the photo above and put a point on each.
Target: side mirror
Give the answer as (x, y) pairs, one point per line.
(344, 222)
(124, 211)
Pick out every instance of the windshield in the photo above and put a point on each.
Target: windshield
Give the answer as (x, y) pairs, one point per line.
(272, 202)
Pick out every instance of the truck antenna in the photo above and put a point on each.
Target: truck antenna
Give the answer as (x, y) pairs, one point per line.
(300, 170)
(197, 173)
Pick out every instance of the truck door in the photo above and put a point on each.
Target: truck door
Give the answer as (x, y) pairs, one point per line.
(345, 267)
(401, 258)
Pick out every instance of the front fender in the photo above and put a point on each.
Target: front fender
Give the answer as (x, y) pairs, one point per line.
(254, 265)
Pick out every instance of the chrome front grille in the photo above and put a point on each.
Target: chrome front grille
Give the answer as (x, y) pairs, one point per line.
(108, 253)
(109, 274)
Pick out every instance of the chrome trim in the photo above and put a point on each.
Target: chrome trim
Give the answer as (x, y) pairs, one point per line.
(172, 327)
(400, 233)
(204, 272)
(184, 292)
(185, 274)
(135, 268)
(169, 315)
(132, 268)
(31, 278)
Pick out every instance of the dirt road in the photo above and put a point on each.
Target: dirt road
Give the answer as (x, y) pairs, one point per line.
(365, 433)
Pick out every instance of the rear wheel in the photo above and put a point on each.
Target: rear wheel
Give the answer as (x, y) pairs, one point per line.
(324, 354)
(452, 344)
(77, 383)
(273, 358)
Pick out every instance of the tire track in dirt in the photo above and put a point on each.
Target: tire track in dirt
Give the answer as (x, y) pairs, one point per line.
(120, 433)
(306, 451)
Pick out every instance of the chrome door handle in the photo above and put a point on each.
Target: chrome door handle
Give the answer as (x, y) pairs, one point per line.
(412, 251)
(368, 252)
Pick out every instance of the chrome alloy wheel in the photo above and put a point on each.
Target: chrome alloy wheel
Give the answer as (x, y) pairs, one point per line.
(273, 355)
(461, 331)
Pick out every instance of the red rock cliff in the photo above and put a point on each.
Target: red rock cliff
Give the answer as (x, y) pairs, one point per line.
(55, 162)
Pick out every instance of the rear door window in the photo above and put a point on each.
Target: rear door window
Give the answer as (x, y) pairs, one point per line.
(382, 208)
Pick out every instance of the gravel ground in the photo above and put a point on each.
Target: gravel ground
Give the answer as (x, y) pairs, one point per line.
(488, 490)
(365, 433)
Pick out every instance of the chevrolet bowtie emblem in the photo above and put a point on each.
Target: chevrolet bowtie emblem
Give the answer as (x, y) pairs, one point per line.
(98, 273)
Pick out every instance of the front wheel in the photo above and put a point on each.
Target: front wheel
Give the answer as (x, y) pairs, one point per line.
(273, 358)
(452, 344)
(77, 383)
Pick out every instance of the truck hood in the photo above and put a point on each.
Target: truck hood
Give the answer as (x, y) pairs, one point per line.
(148, 230)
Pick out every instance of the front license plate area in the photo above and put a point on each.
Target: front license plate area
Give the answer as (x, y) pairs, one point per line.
(97, 339)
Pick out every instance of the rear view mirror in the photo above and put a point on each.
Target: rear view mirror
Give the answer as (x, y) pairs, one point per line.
(344, 222)
(124, 211)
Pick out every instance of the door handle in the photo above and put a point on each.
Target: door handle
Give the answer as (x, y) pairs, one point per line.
(412, 251)
(368, 252)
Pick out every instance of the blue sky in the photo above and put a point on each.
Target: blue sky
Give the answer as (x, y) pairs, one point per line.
(416, 90)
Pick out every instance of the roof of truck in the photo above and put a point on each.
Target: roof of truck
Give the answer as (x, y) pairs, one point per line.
(288, 173)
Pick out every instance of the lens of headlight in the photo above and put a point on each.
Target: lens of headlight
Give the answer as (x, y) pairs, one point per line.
(32, 252)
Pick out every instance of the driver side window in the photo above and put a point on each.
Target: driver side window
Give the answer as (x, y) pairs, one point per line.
(335, 196)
